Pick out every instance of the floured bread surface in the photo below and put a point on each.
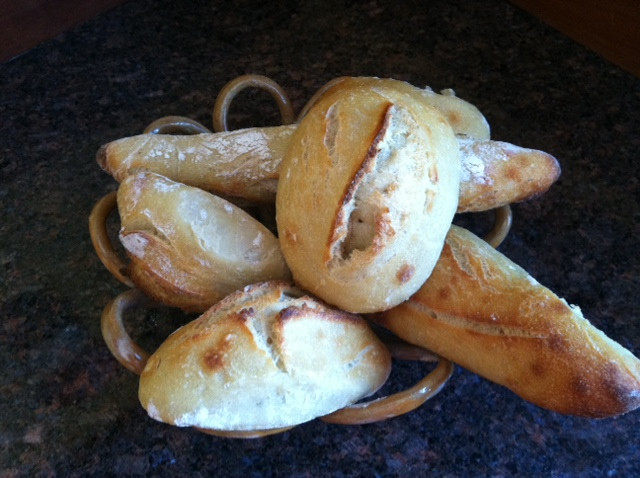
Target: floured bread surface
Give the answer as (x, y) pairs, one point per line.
(189, 248)
(487, 314)
(368, 188)
(262, 358)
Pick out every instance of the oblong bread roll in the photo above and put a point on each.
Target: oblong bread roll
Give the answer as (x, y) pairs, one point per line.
(367, 191)
(494, 173)
(487, 314)
(242, 163)
(265, 357)
(189, 248)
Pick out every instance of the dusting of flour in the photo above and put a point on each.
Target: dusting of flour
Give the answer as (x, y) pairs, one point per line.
(473, 167)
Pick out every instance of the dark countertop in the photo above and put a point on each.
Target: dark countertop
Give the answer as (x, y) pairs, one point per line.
(68, 409)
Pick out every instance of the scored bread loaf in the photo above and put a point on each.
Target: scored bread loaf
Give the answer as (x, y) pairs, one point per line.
(487, 314)
(367, 191)
(189, 248)
(262, 358)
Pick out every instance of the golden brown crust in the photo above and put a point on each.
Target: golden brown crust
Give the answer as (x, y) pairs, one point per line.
(487, 314)
(262, 358)
(367, 191)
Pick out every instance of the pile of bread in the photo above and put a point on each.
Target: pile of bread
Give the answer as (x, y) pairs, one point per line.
(364, 188)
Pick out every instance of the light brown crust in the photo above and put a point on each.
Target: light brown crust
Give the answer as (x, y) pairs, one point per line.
(337, 248)
(265, 357)
(487, 314)
(234, 164)
(188, 248)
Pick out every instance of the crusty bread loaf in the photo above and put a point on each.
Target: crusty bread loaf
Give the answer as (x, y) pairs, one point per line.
(487, 314)
(265, 357)
(232, 164)
(367, 191)
(189, 248)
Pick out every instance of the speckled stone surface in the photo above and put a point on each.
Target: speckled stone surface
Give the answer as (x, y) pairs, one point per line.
(68, 409)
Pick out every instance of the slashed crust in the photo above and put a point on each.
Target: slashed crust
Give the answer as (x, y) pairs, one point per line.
(465, 118)
(264, 357)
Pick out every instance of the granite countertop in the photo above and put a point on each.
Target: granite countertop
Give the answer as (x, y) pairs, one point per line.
(67, 407)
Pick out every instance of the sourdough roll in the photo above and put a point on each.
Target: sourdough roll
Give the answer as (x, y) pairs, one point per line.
(189, 248)
(368, 188)
(265, 357)
(487, 314)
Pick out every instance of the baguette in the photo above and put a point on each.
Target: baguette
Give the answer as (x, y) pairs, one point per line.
(487, 314)
(494, 173)
(367, 191)
(266, 357)
(189, 248)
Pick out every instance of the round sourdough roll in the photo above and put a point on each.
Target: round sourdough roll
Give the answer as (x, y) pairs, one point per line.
(262, 358)
(487, 314)
(189, 248)
(368, 188)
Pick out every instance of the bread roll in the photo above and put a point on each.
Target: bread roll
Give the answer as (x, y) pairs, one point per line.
(367, 191)
(263, 358)
(189, 248)
(487, 314)
(232, 164)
